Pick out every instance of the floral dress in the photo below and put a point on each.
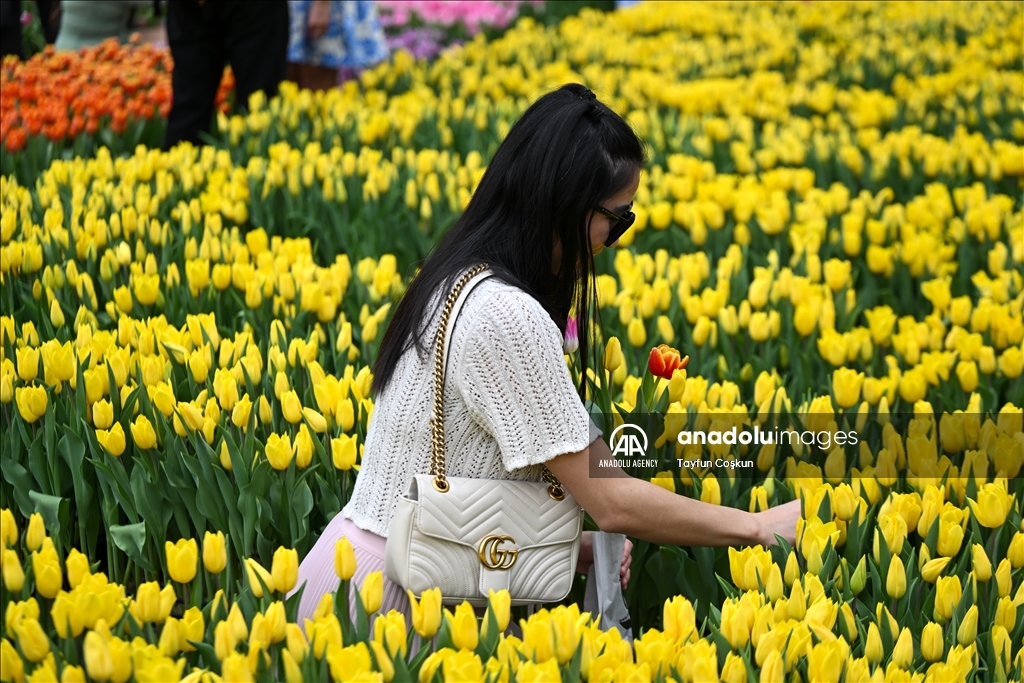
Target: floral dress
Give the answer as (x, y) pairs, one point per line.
(354, 36)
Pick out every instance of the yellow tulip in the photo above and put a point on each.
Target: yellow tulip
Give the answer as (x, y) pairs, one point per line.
(1003, 578)
(36, 532)
(32, 640)
(1006, 613)
(98, 662)
(13, 573)
(259, 578)
(292, 672)
(344, 559)
(279, 451)
(56, 315)
(372, 592)
(182, 559)
(343, 452)
(241, 411)
(9, 528)
(31, 402)
(316, 420)
(932, 569)
(968, 631)
(143, 433)
(192, 626)
(873, 646)
(77, 565)
(932, 642)
(285, 569)
(46, 571)
(947, 596)
(903, 651)
(102, 414)
(426, 612)
(463, 626)
(291, 407)
(758, 499)
(303, 447)
(215, 557)
(992, 506)
(501, 602)
(28, 363)
(896, 579)
(711, 491)
(235, 667)
(846, 386)
(636, 332)
(613, 356)
(112, 439)
(296, 643)
(981, 565)
(390, 631)
(10, 661)
(153, 604)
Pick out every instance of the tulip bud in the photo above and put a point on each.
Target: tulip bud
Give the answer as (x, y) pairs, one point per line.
(215, 556)
(36, 532)
(896, 579)
(99, 663)
(981, 564)
(1003, 579)
(1006, 613)
(463, 626)
(258, 578)
(873, 647)
(78, 567)
(372, 593)
(13, 573)
(8, 529)
(903, 651)
(968, 631)
(182, 559)
(285, 569)
(932, 569)
(932, 643)
(773, 587)
(56, 314)
(344, 559)
(792, 569)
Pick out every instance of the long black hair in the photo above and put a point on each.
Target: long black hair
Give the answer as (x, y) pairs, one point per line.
(564, 155)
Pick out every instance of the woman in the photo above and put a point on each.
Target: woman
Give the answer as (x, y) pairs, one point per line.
(326, 36)
(544, 207)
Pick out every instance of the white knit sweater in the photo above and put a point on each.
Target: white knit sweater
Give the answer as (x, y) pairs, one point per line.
(509, 404)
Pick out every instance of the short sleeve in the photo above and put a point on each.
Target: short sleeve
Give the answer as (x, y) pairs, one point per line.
(512, 374)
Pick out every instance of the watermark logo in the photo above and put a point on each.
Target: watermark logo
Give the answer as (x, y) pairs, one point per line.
(628, 441)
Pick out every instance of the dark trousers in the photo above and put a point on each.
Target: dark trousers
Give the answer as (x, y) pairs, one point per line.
(250, 36)
(10, 28)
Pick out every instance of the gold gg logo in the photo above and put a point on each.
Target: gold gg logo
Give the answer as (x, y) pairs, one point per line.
(493, 557)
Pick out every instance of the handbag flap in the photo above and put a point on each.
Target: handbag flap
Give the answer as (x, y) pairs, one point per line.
(473, 509)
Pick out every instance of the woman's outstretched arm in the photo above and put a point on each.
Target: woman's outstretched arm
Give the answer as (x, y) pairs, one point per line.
(623, 504)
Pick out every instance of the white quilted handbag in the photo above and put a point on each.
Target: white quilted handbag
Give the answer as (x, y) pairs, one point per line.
(466, 536)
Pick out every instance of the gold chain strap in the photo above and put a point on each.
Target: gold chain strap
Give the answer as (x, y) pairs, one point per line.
(437, 467)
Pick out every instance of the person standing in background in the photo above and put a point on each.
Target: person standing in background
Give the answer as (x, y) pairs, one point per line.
(85, 23)
(10, 28)
(328, 35)
(204, 36)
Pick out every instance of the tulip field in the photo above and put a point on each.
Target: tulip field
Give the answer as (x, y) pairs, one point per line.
(831, 228)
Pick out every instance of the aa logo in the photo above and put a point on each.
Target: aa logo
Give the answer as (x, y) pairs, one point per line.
(628, 441)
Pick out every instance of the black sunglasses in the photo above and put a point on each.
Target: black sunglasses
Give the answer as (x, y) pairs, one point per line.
(619, 225)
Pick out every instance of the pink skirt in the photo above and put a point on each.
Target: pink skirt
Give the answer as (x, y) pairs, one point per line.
(317, 570)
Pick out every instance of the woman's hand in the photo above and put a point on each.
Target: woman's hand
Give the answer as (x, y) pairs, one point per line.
(587, 557)
(318, 19)
(780, 520)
